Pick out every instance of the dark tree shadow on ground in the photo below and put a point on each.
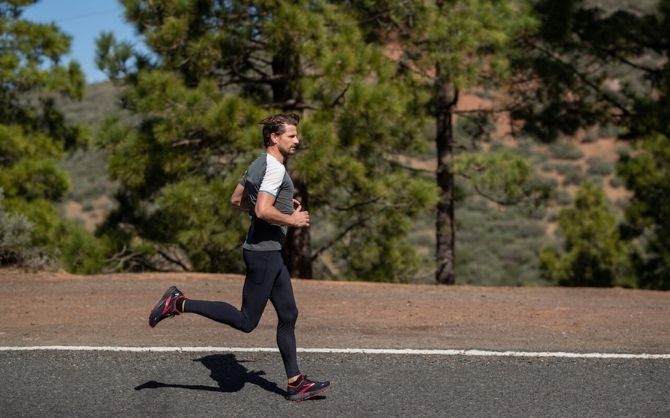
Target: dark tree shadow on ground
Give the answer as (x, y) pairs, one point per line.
(229, 374)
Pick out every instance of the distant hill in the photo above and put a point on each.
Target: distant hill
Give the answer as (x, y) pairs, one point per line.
(100, 101)
(90, 198)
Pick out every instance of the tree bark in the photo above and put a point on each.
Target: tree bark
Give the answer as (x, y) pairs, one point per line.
(445, 98)
(298, 246)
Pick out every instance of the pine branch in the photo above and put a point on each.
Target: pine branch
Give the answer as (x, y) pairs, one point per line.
(498, 201)
(408, 167)
(581, 77)
(340, 96)
(173, 260)
(338, 238)
(357, 205)
(618, 57)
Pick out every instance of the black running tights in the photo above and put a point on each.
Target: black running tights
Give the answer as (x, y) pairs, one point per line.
(267, 278)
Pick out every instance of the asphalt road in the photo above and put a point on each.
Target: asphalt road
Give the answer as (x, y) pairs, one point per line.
(113, 384)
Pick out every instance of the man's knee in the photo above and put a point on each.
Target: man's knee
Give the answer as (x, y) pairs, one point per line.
(289, 316)
(249, 324)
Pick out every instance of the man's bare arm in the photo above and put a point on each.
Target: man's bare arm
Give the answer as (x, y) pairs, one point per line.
(239, 198)
(266, 211)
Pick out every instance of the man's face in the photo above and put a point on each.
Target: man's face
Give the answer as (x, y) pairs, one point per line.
(287, 143)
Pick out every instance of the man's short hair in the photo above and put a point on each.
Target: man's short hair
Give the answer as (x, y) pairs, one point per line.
(276, 124)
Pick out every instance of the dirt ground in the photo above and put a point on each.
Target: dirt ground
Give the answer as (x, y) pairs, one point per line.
(61, 309)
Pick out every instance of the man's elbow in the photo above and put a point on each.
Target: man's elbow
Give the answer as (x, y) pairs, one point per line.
(261, 213)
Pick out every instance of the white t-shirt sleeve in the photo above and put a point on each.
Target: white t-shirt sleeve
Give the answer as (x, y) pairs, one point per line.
(274, 176)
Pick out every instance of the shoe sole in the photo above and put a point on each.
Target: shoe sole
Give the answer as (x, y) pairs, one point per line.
(308, 396)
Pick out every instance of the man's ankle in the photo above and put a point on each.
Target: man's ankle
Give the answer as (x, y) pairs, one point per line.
(295, 380)
(180, 304)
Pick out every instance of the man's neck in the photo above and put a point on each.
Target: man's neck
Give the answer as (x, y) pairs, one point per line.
(274, 151)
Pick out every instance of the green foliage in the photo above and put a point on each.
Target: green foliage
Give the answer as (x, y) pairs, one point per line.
(616, 182)
(609, 67)
(385, 256)
(590, 137)
(192, 214)
(499, 172)
(593, 253)
(16, 246)
(599, 166)
(575, 176)
(498, 245)
(607, 64)
(42, 214)
(221, 67)
(647, 174)
(178, 168)
(563, 169)
(79, 251)
(447, 47)
(564, 150)
(570, 64)
(31, 73)
(608, 130)
(33, 137)
(467, 39)
(563, 198)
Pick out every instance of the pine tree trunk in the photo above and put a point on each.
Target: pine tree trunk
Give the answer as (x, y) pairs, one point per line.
(445, 98)
(298, 247)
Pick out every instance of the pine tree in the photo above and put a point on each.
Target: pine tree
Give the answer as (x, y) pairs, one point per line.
(594, 254)
(647, 174)
(448, 47)
(217, 68)
(33, 132)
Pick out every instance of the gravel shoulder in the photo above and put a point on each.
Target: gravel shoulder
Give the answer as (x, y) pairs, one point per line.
(48, 308)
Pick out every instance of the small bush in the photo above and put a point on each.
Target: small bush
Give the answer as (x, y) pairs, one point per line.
(87, 206)
(623, 150)
(563, 168)
(538, 181)
(547, 167)
(564, 150)
(15, 233)
(616, 182)
(497, 146)
(599, 166)
(590, 137)
(16, 242)
(573, 177)
(563, 198)
(608, 131)
(80, 251)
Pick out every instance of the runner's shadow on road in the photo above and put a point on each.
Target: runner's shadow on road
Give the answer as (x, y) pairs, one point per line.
(229, 374)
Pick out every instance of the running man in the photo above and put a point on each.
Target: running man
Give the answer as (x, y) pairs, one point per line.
(266, 192)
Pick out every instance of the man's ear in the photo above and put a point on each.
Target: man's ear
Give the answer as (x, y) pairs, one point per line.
(274, 138)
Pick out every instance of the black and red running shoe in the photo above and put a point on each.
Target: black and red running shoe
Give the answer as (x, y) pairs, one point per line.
(166, 307)
(303, 389)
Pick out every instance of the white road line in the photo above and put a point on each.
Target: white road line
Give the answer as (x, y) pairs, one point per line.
(391, 351)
